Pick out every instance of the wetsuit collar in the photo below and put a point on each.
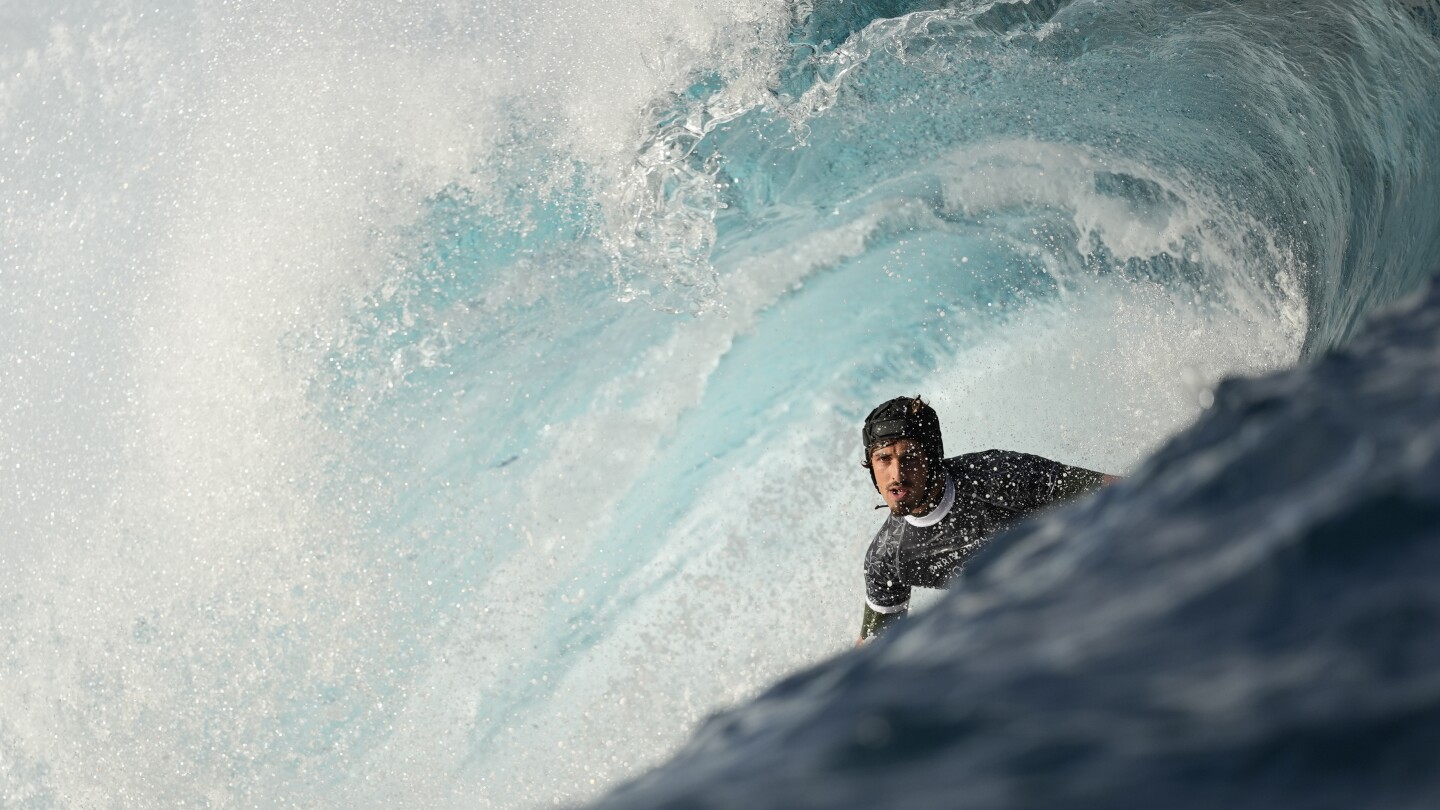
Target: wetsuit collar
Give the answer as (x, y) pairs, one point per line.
(941, 509)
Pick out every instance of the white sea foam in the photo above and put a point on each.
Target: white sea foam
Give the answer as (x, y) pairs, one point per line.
(196, 198)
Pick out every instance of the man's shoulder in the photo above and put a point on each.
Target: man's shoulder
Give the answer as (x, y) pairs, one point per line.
(980, 455)
(976, 461)
(990, 471)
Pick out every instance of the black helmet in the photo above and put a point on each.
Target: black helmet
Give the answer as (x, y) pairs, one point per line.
(904, 418)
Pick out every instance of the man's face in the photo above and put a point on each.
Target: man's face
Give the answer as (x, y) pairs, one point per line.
(902, 474)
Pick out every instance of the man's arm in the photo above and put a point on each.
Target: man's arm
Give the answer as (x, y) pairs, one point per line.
(1025, 482)
(874, 623)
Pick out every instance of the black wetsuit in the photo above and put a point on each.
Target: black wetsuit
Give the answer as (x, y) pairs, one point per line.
(984, 493)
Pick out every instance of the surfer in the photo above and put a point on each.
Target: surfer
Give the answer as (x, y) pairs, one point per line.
(942, 510)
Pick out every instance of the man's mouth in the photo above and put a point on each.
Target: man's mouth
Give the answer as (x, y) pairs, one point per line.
(899, 493)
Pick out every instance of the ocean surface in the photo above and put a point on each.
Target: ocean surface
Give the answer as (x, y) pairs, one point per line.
(455, 404)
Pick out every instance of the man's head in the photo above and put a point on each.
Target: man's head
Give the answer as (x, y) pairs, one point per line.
(903, 450)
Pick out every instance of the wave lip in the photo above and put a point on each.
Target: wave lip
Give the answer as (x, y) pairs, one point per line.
(1250, 619)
